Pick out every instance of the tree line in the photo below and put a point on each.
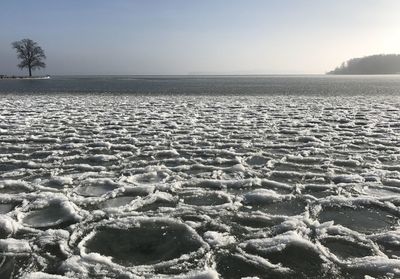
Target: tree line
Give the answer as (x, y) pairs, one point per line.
(370, 65)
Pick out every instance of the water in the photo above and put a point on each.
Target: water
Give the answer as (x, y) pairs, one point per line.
(200, 177)
(209, 85)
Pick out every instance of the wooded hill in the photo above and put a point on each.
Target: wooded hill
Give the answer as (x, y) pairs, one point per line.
(382, 64)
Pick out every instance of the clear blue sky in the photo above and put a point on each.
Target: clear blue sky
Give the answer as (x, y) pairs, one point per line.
(204, 36)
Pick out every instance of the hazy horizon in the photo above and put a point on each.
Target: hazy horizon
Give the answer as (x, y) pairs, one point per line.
(198, 38)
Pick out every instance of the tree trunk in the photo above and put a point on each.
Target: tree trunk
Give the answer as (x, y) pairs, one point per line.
(30, 71)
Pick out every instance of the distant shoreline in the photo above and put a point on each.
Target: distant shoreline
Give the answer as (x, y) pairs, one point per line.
(381, 64)
(24, 77)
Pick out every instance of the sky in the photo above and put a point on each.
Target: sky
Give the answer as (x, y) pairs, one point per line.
(174, 37)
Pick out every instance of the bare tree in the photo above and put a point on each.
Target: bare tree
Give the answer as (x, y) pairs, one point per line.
(31, 55)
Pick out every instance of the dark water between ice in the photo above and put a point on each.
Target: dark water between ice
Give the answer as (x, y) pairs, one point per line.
(200, 177)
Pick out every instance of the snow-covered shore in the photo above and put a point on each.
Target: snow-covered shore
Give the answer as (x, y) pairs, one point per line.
(23, 77)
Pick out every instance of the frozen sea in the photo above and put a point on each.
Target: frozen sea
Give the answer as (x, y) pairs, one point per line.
(200, 177)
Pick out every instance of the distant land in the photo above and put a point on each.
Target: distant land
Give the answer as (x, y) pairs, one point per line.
(383, 64)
